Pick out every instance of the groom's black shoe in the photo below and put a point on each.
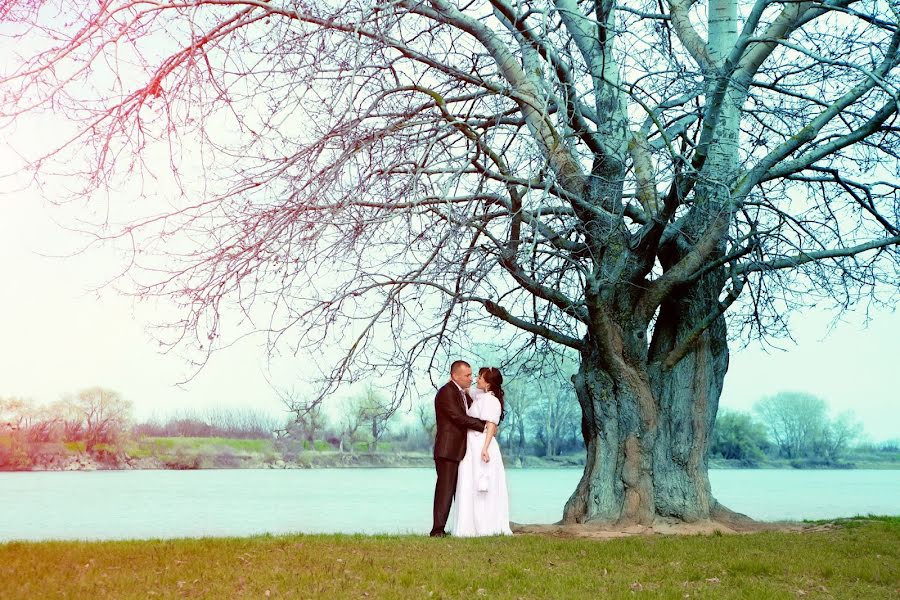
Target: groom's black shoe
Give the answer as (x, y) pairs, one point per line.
(439, 534)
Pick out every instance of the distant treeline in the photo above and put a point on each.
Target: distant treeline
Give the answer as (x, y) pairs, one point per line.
(241, 424)
(100, 422)
(541, 419)
(794, 426)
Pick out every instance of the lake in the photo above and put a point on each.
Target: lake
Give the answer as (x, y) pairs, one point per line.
(169, 504)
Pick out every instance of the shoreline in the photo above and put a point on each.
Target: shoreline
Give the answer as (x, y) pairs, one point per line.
(338, 460)
(200, 453)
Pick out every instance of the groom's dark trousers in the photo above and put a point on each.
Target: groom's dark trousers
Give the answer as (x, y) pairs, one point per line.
(449, 448)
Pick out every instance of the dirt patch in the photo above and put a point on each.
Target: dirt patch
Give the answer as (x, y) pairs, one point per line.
(660, 527)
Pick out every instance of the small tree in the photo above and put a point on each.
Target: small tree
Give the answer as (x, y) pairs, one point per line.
(838, 435)
(15, 413)
(349, 423)
(426, 419)
(554, 414)
(795, 421)
(375, 413)
(44, 425)
(13, 440)
(102, 413)
(519, 398)
(737, 436)
(308, 424)
(71, 421)
(800, 426)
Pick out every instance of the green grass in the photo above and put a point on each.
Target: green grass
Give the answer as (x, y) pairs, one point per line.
(201, 444)
(203, 452)
(381, 447)
(860, 561)
(318, 445)
(76, 447)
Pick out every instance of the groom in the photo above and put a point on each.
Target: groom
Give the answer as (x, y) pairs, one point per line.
(450, 440)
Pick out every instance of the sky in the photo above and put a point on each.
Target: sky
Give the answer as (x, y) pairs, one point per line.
(57, 336)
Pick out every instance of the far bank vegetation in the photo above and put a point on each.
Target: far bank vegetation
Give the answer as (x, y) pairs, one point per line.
(95, 428)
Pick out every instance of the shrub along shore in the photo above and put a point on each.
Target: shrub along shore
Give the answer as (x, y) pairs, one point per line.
(229, 453)
(184, 453)
(857, 558)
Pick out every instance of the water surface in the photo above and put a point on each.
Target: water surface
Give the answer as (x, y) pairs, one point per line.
(168, 504)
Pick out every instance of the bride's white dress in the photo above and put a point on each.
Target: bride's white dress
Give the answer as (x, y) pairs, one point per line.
(481, 512)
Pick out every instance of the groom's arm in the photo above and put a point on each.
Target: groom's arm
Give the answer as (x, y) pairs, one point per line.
(452, 405)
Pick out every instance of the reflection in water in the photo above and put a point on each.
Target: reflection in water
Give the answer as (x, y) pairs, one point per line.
(166, 504)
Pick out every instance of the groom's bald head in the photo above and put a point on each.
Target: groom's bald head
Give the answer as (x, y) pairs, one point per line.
(461, 373)
(457, 365)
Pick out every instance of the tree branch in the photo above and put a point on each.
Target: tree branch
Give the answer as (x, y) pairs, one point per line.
(805, 257)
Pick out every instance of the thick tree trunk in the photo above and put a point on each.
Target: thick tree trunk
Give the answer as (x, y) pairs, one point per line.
(647, 418)
(688, 394)
(617, 484)
(647, 412)
(647, 427)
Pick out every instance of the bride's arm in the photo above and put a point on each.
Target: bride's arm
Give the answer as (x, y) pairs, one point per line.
(489, 431)
(475, 392)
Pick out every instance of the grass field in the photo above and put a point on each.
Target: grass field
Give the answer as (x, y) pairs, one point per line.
(853, 559)
(197, 453)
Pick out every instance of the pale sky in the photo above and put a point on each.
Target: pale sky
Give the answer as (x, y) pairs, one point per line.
(59, 337)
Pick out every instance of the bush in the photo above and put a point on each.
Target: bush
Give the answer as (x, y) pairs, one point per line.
(737, 436)
(183, 460)
(227, 459)
(289, 449)
(14, 452)
(46, 453)
(78, 446)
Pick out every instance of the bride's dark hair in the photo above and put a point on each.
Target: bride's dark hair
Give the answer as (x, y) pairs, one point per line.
(494, 378)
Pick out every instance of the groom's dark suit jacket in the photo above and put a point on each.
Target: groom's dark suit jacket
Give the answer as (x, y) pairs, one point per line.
(452, 423)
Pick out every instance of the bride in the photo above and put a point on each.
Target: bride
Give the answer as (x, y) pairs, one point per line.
(482, 502)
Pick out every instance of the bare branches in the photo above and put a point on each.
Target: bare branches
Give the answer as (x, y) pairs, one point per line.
(810, 130)
(385, 177)
(501, 313)
(681, 21)
(801, 258)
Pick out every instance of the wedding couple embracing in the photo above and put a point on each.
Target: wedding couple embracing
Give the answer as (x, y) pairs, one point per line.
(467, 457)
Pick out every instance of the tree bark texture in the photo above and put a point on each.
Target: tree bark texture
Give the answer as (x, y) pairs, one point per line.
(646, 426)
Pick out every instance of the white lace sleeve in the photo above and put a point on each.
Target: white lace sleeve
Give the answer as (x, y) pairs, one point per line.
(491, 410)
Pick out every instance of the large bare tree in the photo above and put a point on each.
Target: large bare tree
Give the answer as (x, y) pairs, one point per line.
(634, 181)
